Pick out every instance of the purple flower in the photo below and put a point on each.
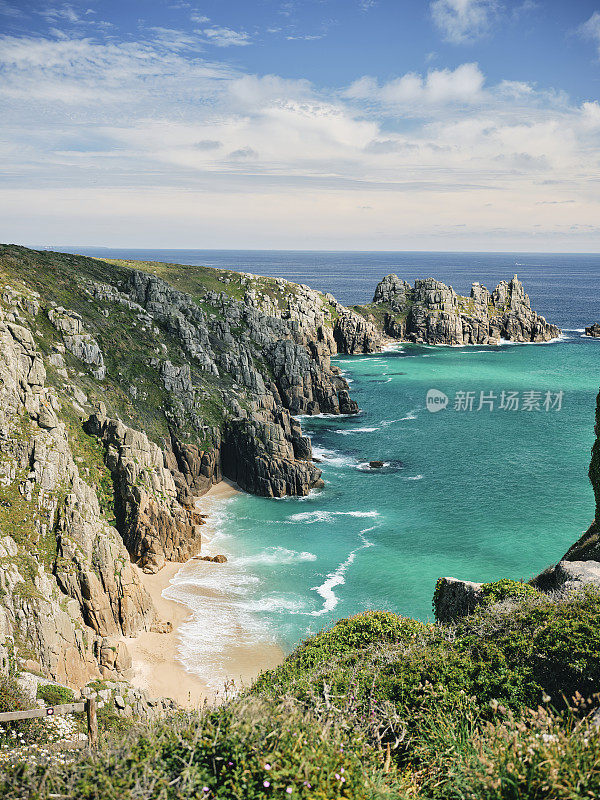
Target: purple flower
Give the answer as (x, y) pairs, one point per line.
(267, 766)
(266, 784)
(205, 789)
(289, 790)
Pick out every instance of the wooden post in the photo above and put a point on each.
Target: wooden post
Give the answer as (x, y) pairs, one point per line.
(92, 721)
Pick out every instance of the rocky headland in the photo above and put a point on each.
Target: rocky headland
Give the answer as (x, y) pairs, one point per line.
(430, 312)
(128, 390)
(123, 399)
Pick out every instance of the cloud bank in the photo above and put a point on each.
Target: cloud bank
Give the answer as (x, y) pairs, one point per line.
(153, 144)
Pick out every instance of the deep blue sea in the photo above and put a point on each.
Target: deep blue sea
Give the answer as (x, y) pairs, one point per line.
(478, 494)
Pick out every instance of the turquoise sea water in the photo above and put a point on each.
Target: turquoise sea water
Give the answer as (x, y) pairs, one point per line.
(475, 494)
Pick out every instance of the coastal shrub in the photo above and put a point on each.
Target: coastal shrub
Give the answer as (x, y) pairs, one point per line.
(54, 695)
(514, 654)
(12, 698)
(506, 588)
(248, 750)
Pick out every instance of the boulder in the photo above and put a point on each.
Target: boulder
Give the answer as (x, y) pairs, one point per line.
(220, 559)
(593, 330)
(454, 598)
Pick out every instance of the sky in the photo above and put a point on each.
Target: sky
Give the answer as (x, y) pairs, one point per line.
(301, 124)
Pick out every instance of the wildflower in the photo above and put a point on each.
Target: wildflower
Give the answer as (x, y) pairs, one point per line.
(267, 766)
(205, 789)
(289, 790)
(266, 784)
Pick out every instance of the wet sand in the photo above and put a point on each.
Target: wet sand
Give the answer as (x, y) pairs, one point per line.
(156, 667)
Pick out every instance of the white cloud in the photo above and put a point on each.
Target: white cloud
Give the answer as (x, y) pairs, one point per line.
(8, 10)
(104, 139)
(226, 37)
(591, 29)
(463, 21)
(62, 13)
(438, 87)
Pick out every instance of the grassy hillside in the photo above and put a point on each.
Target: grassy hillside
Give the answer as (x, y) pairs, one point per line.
(132, 388)
(377, 707)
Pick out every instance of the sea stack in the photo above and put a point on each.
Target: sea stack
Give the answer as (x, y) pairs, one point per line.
(430, 312)
(593, 330)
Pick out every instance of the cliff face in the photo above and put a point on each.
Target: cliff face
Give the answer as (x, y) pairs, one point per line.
(432, 313)
(122, 398)
(66, 581)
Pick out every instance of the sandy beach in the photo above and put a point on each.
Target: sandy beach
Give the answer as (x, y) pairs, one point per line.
(156, 667)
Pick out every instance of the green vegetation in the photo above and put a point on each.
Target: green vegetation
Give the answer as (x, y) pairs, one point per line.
(197, 281)
(378, 312)
(504, 589)
(54, 695)
(12, 698)
(378, 707)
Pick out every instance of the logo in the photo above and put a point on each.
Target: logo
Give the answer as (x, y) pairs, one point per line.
(436, 401)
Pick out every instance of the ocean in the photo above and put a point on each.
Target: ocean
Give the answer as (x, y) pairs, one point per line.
(479, 491)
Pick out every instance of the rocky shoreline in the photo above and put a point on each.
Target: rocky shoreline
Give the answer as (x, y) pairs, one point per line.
(123, 399)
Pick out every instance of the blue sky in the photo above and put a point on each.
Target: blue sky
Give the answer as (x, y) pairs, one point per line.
(342, 124)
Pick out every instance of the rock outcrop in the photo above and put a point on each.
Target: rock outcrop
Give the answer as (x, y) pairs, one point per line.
(155, 526)
(455, 598)
(66, 579)
(432, 313)
(120, 403)
(593, 330)
(587, 548)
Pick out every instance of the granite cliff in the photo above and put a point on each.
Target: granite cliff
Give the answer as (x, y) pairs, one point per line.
(128, 389)
(432, 313)
(122, 398)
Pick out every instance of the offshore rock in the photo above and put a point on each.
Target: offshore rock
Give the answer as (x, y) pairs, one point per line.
(593, 330)
(432, 313)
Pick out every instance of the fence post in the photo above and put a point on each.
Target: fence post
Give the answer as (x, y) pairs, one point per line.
(92, 721)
